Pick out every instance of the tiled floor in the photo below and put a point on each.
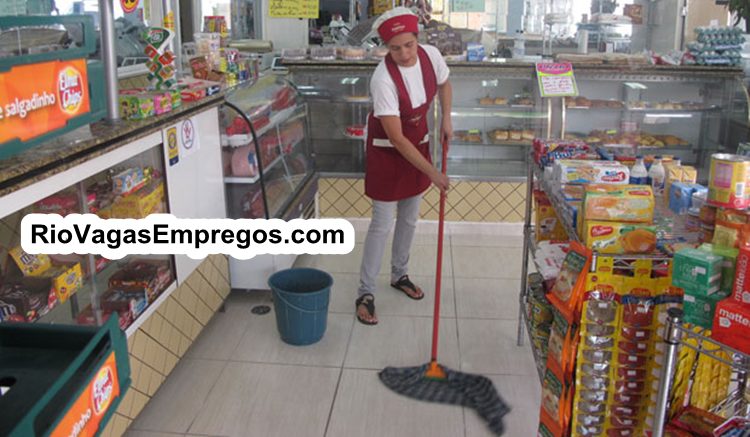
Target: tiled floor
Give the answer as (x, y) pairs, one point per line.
(240, 379)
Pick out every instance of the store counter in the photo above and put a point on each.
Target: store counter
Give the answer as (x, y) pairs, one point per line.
(166, 164)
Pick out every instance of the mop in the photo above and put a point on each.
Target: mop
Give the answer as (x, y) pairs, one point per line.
(436, 383)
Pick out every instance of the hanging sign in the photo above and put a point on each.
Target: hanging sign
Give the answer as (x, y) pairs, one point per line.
(189, 142)
(84, 417)
(556, 79)
(30, 108)
(467, 5)
(293, 8)
(128, 6)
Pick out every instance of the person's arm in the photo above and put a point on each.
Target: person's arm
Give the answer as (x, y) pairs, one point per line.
(392, 126)
(445, 94)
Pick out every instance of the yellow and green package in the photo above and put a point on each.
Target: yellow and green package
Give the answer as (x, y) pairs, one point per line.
(563, 339)
(30, 265)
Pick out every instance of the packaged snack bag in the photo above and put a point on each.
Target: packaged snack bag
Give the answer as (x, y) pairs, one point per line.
(627, 203)
(590, 172)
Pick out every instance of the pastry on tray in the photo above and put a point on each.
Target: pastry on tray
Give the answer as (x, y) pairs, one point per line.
(516, 135)
(486, 100)
(527, 135)
(524, 101)
(500, 135)
(501, 101)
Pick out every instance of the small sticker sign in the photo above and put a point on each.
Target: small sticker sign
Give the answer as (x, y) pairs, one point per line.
(173, 148)
(188, 137)
(556, 79)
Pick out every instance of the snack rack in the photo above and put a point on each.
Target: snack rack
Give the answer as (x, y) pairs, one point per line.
(676, 333)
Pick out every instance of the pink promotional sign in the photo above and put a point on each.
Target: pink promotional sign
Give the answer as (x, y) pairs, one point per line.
(556, 79)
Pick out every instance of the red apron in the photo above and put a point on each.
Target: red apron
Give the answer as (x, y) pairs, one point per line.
(388, 175)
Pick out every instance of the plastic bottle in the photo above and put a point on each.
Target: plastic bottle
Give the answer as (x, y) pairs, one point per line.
(657, 175)
(639, 174)
(519, 45)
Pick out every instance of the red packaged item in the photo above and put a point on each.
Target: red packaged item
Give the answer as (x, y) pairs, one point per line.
(631, 387)
(632, 361)
(547, 151)
(149, 275)
(637, 314)
(635, 334)
(741, 289)
(621, 432)
(626, 373)
(628, 400)
(697, 422)
(633, 347)
(625, 411)
(732, 325)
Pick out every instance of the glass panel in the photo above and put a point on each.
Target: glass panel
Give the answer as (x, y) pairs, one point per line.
(279, 122)
(88, 289)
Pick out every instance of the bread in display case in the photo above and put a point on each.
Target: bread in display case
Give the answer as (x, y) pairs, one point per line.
(264, 141)
(88, 289)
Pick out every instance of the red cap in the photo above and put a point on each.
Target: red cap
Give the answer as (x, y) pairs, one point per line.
(398, 25)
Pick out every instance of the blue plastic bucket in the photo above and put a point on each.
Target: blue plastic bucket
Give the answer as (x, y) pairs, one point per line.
(301, 298)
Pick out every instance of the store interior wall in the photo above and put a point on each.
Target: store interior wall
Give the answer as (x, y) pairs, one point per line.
(286, 33)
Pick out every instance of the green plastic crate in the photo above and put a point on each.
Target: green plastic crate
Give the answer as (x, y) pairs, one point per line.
(50, 369)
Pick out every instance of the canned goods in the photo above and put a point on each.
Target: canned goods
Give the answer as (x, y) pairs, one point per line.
(728, 181)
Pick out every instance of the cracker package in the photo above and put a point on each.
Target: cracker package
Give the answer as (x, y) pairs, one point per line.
(619, 238)
(590, 172)
(557, 398)
(568, 290)
(627, 203)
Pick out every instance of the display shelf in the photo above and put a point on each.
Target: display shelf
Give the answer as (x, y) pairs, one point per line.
(520, 112)
(149, 311)
(710, 347)
(486, 169)
(538, 362)
(254, 179)
(276, 119)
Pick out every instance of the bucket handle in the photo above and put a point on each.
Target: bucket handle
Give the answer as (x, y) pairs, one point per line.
(286, 302)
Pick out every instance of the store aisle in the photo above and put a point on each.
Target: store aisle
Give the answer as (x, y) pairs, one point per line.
(240, 379)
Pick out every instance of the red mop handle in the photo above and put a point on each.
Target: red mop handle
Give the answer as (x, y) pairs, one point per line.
(438, 270)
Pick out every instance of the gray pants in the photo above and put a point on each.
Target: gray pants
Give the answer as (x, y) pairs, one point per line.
(377, 234)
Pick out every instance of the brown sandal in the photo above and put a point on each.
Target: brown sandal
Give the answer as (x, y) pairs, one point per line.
(368, 300)
(403, 283)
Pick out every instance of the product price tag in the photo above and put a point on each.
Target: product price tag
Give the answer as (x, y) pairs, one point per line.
(556, 79)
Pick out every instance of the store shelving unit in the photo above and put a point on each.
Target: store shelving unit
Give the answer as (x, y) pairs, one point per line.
(676, 336)
(676, 333)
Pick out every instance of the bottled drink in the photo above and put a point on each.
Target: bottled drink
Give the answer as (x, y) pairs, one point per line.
(657, 176)
(639, 174)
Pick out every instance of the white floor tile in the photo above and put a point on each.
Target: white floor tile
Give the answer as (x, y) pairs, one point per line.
(489, 347)
(421, 239)
(366, 407)
(423, 261)
(175, 405)
(401, 342)
(268, 400)
(392, 302)
(486, 262)
(262, 343)
(523, 394)
(487, 298)
(222, 335)
(487, 240)
(348, 263)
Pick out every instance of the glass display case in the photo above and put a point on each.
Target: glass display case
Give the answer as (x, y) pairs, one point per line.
(496, 113)
(268, 167)
(89, 289)
(688, 114)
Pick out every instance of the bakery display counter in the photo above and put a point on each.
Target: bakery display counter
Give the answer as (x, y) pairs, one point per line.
(685, 111)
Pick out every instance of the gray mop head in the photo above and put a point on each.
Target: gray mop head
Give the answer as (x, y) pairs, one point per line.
(473, 391)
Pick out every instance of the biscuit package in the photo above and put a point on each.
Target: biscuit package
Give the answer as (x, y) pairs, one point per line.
(627, 203)
(619, 238)
(548, 224)
(590, 172)
(568, 290)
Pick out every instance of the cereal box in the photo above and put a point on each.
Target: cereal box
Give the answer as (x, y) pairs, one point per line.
(732, 325)
(30, 265)
(626, 203)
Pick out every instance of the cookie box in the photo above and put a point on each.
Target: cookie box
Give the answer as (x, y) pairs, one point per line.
(619, 238)
(587, 172)
(626, 203)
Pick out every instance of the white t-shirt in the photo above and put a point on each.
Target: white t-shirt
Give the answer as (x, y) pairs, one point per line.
(385, 94)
